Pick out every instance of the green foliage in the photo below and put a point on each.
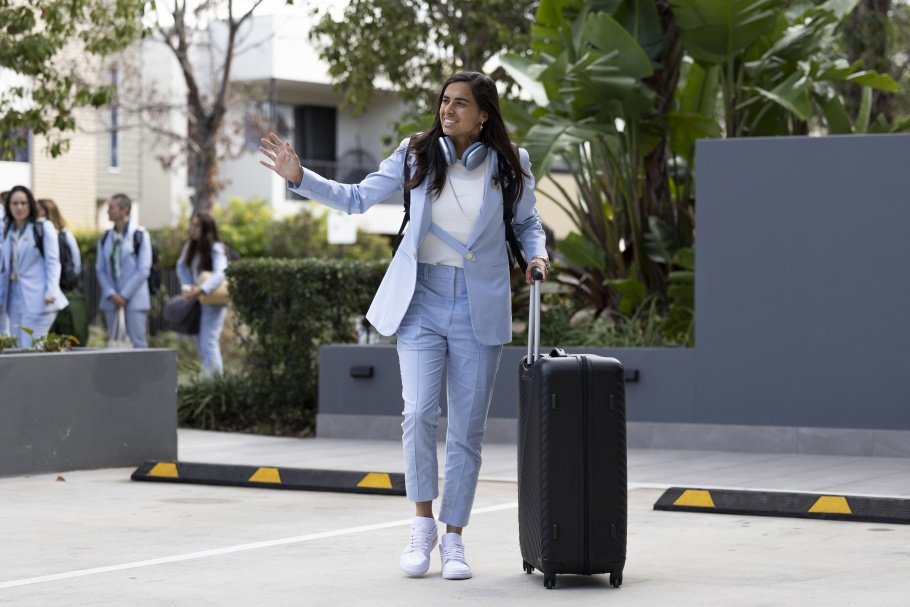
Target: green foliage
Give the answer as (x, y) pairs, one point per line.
(623, 94)
(37, 41)
(243, 224)
(7, 342)
(290, 308)
(88, 245)
(306, 235)
(415, 45)
(50, 342)
(218, 402)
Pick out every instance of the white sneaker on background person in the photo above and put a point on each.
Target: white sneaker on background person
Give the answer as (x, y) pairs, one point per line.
(415, 560)
(451, 550)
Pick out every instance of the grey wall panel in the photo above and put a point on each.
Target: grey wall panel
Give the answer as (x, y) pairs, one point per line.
(665, 391)
(87, 409)
(802, 282)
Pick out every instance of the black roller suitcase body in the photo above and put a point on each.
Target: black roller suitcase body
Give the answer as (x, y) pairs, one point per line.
(572, 482)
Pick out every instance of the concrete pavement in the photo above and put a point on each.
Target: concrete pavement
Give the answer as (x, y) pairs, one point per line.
(97, 538)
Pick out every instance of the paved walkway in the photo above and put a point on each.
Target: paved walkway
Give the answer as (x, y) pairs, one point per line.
(97, 538)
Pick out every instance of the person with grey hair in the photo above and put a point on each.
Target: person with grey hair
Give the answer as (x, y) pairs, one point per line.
(123, 267)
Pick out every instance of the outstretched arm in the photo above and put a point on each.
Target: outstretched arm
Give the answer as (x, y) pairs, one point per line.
(283, 158)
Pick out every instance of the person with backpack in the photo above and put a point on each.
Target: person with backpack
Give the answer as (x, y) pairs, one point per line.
(29, 269)
(72, 320)
(201, 267)
(123, 266)
(447, 291)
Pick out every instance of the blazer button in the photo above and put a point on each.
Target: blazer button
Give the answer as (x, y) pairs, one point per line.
(470, 255)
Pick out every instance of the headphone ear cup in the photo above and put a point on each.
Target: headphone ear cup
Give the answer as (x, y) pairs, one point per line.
(448, 150)
(474, 156)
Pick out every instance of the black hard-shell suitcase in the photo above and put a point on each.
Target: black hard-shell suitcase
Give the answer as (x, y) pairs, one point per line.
(572, 491)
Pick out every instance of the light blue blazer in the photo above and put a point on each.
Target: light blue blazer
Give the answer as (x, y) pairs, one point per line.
(134, 271)
(187, 275)
(38, 276)
(486, 271)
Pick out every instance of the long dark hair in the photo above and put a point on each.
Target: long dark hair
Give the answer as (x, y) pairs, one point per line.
(425, 147)
(32, 205)
(208, 236)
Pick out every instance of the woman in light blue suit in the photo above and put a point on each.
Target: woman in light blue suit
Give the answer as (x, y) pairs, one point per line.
(123, 271)
(205, 253)
(446, 292)
(29, 281)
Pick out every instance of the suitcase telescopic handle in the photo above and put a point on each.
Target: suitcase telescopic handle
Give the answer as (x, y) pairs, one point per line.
(534, 317)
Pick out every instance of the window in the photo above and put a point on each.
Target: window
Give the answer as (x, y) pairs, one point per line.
(15, 145)
(314, 130)
(114, 118)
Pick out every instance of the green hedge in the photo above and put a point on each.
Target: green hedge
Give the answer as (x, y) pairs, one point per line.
(291, 307)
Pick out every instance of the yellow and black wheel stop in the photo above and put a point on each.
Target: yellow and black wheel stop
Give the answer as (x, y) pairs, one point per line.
(302, 479)
(799, 505)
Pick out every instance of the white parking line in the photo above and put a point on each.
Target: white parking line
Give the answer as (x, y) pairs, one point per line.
(239, 548)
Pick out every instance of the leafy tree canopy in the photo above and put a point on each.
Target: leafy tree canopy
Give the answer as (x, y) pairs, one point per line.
(411, 46)
(48, 47)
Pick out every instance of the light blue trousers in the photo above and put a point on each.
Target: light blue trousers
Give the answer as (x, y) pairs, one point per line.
(136, 325)
(208, 342)
(20, 316)
(436, 333)
(4, 323)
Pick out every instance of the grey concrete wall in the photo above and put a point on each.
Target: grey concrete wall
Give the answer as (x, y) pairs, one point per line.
(802, 282)
(352, 407)
(86, 409)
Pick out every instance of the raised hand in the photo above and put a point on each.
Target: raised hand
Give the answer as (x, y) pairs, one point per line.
(284, 159)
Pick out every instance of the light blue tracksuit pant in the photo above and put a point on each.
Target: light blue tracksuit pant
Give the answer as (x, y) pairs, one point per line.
(136, 325)
(211, 322)
(436, 333)
(20, 316)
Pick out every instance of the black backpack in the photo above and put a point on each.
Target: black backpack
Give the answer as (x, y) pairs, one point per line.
(505, 179)
(154, 275)
(69, 280)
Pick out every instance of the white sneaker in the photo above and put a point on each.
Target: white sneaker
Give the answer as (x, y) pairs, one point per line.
(451, 550)
(415, 560)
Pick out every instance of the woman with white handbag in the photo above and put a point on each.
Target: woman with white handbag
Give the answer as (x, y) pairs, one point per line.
(201, 271)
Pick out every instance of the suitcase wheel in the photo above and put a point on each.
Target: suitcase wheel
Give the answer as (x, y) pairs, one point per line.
(549, 581)
(615, 579)
(528, 567)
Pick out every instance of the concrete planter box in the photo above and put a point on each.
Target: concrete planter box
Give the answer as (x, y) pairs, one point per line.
(86, 409)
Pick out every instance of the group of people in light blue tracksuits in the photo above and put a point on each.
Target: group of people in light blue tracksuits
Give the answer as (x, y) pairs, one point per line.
(30, 294)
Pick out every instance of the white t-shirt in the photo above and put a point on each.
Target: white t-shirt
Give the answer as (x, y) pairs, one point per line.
(455, 211)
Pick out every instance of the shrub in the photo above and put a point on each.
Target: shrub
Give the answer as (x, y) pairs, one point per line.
(292, 307)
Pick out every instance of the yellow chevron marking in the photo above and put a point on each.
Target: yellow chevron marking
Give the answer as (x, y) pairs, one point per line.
(166, 470)
(831, 504)
(375, 480)
(266, 475)
(694, 498)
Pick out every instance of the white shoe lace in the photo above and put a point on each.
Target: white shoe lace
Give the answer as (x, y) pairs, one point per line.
(421, 541)
(454, 552)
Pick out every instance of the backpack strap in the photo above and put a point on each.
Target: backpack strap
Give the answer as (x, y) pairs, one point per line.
(407, 205)
(507, 179)
(104, 237)
(39, 236)
(137, 240)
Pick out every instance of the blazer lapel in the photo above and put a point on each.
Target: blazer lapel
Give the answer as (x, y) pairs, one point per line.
(492, 202)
